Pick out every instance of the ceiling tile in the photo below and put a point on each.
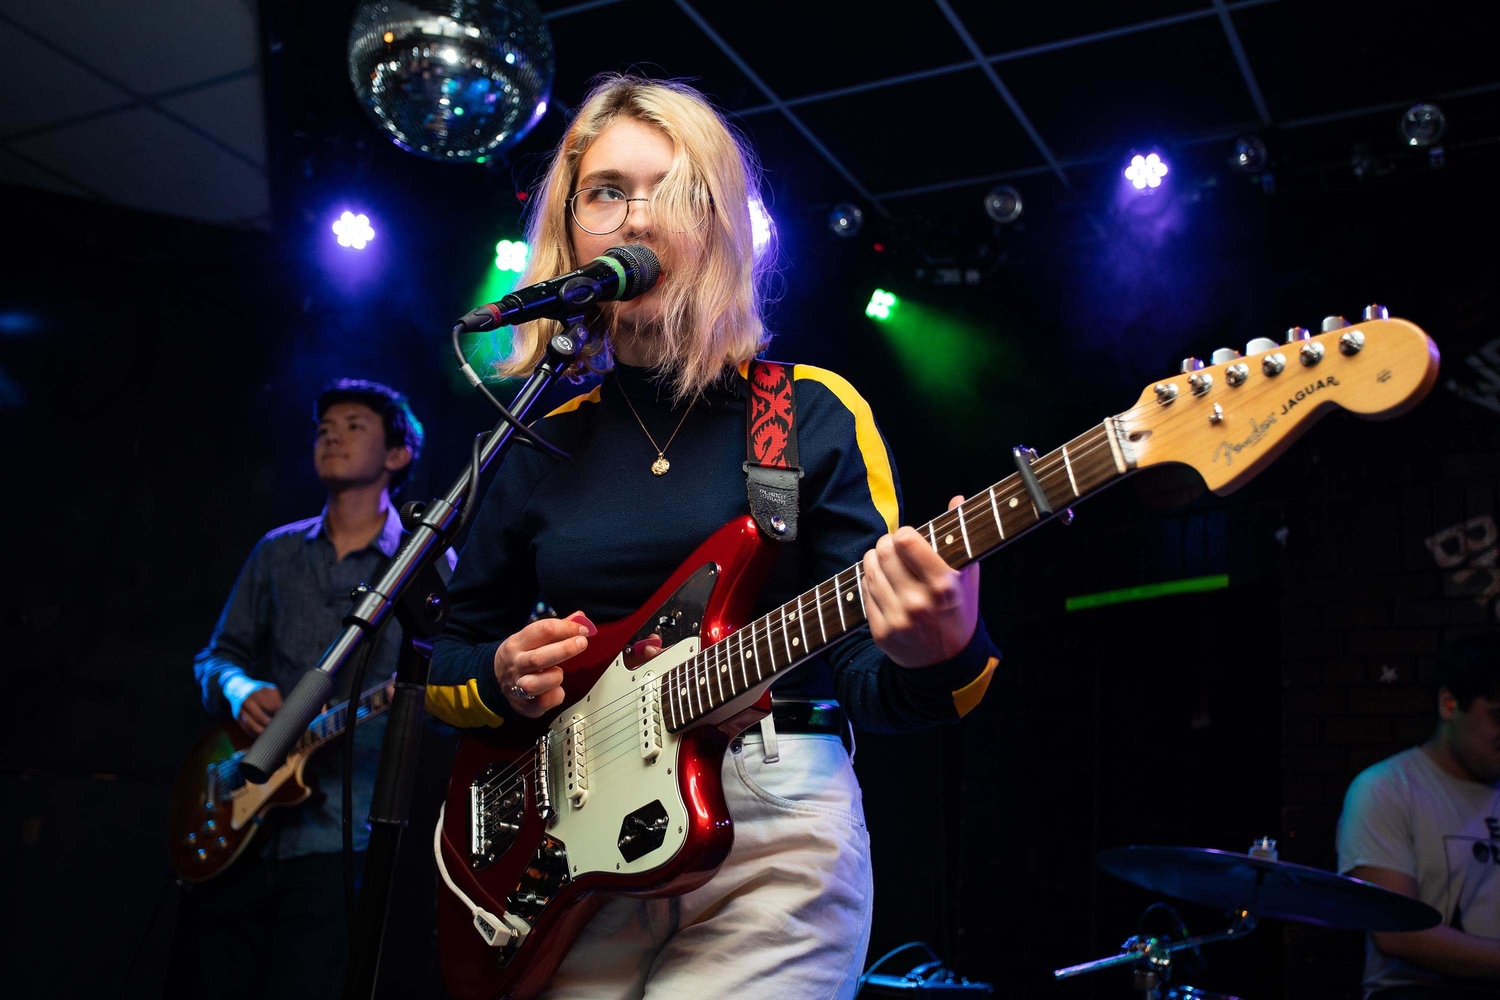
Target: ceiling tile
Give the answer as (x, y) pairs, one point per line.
(1005, 27)
(148, 47)
(14, 170)
(144, 160)
(1172, 82)
(799, 48)
(651, 37)
(1341, 54)
(233, 113)
(923, 132)
(40, 86)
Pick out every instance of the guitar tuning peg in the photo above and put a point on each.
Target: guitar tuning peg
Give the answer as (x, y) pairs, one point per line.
(1223, 354)
(1334, 323)
(1260, 345)
(1297, 333)
(1191, 364)
(1377, 312)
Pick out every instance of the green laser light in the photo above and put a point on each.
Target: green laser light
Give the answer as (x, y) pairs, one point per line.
(881, 304)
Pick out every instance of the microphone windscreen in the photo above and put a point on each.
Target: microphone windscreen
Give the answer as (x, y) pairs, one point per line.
(642, 268)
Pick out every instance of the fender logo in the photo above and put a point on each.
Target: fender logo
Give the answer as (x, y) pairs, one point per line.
(1229, 449)
(1306, 391)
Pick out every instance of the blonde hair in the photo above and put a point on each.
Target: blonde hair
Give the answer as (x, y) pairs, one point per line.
(711, 309)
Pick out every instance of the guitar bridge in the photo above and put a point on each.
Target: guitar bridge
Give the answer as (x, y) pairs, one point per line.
(497, 805)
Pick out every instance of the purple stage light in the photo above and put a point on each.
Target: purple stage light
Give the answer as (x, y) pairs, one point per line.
(353, 230)
(1146, 171)
(760, 226)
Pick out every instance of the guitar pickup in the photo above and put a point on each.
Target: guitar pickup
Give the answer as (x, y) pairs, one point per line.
(649, 718)
(576, 762)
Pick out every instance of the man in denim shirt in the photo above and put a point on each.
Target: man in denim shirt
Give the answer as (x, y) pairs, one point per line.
(274, 924)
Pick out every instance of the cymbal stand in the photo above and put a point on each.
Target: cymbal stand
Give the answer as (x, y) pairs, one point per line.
(1152, 956)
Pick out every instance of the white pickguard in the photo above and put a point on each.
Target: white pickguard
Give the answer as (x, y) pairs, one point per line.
(620, 781)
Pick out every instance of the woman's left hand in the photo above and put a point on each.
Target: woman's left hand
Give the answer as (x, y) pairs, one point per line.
(921, 611)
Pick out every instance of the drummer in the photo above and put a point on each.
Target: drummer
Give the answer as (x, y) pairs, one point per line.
(1426, 823)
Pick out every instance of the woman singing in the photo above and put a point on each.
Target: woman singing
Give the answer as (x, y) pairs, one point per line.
(657, 450)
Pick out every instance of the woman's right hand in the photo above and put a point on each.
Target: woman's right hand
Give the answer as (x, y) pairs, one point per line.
(527, 664)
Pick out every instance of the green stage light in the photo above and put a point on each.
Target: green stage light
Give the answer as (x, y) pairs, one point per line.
(1145, 592)
(510, 255)
(881, 304)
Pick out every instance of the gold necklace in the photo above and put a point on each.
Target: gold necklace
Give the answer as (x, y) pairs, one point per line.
(661, 465)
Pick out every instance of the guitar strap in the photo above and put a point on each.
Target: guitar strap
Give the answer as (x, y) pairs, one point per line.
(771, 450)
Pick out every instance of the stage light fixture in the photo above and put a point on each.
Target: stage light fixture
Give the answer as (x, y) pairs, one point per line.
(511, 255)
(1003, 204)
(845, 220)
(1146, 171)
(1249, 154)
(882, 303)
(353, 230)
(760, 226)
(1423, 125)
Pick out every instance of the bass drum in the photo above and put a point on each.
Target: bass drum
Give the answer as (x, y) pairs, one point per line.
(1194, 993)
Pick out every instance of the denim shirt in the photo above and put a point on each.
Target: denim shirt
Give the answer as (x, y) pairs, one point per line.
(287, 607)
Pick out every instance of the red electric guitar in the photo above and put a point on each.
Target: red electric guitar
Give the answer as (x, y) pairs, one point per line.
(618, 790)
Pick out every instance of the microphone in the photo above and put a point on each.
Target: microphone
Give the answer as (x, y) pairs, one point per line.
(618, 274)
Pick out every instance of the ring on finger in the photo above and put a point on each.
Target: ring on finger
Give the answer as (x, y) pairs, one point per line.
(519, 692)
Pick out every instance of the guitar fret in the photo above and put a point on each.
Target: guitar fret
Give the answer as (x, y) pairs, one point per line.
(818, 603)
(859, 581)
(786, 639)
(1069, 466)
(964, 530)
(801, 623)
(932, 535)
(838, 602)
(994, 506)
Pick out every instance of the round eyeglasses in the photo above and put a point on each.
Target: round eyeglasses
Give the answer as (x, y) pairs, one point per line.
(600, 211)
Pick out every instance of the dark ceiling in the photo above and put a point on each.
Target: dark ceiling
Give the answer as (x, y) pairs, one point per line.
(911, 108)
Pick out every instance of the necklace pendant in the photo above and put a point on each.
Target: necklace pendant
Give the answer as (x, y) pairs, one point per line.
(660, 466)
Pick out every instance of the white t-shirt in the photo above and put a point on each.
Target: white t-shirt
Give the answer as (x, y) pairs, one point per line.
(1406, 814)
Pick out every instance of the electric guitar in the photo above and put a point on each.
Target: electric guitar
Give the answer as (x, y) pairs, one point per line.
(618, 790)
(216, 812)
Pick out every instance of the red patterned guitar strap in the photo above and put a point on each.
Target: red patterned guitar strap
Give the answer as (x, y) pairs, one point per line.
(771, 450)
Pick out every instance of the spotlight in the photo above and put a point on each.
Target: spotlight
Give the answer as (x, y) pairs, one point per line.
(1249, 154)
(1003, 204)
(510, 255)
(845, 220)
(1423, 125)
(353, 230)
(760, 226)
(1145, 171)
(881, 304)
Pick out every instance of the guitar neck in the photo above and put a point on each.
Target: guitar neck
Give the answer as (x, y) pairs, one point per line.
(983, 523)
(334, 721)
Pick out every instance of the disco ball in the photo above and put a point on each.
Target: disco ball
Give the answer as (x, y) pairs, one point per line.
(451, 81)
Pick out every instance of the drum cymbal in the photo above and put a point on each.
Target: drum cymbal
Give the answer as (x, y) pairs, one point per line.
(1269, 887)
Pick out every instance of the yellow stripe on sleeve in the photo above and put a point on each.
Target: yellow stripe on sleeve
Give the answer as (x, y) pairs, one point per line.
(871, 447)
(459, 705)
(577, 401)
(966, 697)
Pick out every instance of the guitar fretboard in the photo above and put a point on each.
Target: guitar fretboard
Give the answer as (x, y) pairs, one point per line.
(791, 633)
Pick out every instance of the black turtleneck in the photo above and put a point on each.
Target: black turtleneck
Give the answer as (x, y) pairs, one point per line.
(601, 533)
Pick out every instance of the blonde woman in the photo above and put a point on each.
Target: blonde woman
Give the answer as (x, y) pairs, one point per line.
(657, 449)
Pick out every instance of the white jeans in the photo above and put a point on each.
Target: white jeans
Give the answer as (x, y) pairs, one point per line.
(786, 918)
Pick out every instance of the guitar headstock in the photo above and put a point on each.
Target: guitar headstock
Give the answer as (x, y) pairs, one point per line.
(1228, 420)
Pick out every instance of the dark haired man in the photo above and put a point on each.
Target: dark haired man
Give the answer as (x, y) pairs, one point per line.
(273, 924)
(1426, 823)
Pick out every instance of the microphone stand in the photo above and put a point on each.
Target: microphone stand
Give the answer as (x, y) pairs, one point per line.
(411, 589)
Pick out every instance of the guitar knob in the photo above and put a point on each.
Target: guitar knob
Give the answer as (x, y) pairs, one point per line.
(1260, 345)
(1297, 333)
(1377, 312)
(1224, 354)
(1331, 323)
(1191, 365)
